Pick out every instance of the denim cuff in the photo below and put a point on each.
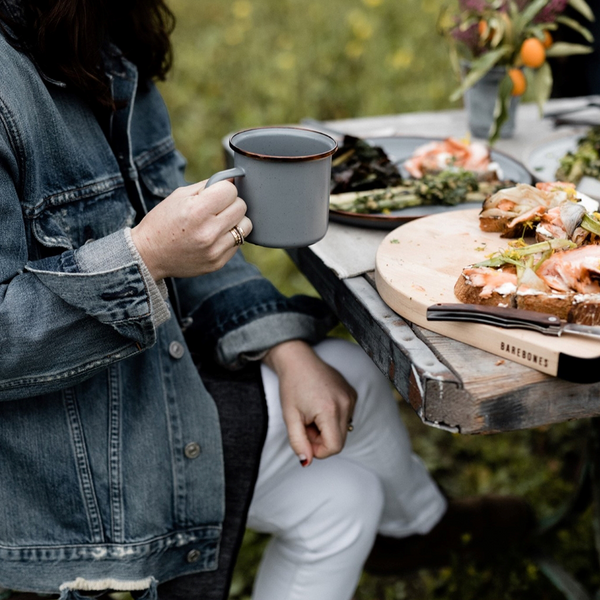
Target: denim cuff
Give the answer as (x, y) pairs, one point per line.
(253, 340)
(105, 254)
(157, 289)
(102, 279)
(117, 250)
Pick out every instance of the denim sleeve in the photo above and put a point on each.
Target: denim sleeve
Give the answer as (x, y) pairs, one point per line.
(237, 313)
(61, 323)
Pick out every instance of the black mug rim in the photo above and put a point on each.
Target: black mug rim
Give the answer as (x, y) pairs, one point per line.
(272, 157)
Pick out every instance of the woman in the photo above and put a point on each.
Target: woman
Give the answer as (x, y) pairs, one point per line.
(130, 443)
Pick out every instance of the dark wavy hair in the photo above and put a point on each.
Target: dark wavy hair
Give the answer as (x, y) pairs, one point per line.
(66, 38)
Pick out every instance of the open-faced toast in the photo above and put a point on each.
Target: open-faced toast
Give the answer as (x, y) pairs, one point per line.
(554, 267)
(488, 286)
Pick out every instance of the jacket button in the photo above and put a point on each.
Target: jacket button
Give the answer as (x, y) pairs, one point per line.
(192, 450)
(193, 556)
(176, 350)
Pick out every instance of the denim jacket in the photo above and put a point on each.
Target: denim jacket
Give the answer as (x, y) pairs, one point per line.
(111, 471)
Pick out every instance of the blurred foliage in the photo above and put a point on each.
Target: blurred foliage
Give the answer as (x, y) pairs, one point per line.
(243, 63)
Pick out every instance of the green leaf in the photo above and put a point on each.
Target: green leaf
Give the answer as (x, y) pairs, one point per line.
(454, 61)
(541, 85)
(479, 68)
(537, 30)
(445, 20)
(502, 107)
(529, 13)
(590, 224)
(583, 8)
(573, 24)
(567, 49)
(498, 26)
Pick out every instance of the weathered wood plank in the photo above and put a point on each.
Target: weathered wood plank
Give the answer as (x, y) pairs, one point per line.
(397, 351)
(497, 394)
(485, 374)
(503, 396)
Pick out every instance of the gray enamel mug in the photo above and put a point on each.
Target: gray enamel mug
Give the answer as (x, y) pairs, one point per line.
(283, 174)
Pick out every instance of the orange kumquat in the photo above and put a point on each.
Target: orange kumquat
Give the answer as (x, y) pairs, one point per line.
(518, 80)
(533, 53)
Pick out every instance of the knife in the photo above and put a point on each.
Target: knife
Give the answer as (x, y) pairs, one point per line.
(509, 318)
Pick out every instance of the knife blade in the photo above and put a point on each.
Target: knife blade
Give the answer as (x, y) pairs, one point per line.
(510, 318)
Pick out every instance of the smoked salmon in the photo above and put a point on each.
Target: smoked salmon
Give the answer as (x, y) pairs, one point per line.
(512, 211)
(576, 270)
(451, 153)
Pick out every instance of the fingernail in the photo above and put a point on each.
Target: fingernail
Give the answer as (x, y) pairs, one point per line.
(303, 460)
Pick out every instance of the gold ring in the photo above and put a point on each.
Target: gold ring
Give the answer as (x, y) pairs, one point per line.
(350, 426)
(238, 238)
(241, 232)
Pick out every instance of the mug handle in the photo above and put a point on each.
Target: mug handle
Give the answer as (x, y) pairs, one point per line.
(227, 174)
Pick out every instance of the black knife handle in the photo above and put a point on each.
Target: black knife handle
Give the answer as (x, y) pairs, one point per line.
(508, 318)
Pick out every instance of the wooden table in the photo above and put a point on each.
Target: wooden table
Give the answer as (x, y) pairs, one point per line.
(450, 385)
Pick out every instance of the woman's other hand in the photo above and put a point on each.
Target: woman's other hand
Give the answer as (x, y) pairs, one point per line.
(317, 401)
(189, 232)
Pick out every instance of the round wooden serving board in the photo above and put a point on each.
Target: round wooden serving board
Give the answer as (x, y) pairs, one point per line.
(418, 264)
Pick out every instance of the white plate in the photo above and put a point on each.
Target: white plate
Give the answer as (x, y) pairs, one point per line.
(543, 161)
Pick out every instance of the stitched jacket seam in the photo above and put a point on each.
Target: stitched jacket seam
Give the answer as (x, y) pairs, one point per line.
(90, 190)
(83, 367)
(153, 154)
(14, 137)
(209, 528)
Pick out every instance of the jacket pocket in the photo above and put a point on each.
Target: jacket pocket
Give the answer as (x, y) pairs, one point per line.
(161, 173)
(69, 219)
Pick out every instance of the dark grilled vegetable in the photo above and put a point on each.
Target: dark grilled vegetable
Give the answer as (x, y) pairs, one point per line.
(358, 166)
(584, 161)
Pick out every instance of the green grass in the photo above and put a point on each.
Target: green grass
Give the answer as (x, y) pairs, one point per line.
(245, 63)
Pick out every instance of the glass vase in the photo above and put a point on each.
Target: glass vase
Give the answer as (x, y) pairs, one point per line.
(480, 104)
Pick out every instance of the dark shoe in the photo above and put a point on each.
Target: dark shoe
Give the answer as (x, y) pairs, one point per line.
(471, 527)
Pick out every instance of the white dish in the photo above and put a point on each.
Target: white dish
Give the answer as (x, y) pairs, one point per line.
(543, 161)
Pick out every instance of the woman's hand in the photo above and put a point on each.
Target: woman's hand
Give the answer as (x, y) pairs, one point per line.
(317, 402)
(188, 233)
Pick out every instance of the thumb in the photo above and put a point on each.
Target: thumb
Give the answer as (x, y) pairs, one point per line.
(299, 439)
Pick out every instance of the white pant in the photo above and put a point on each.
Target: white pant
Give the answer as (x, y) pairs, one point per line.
(324, 517)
